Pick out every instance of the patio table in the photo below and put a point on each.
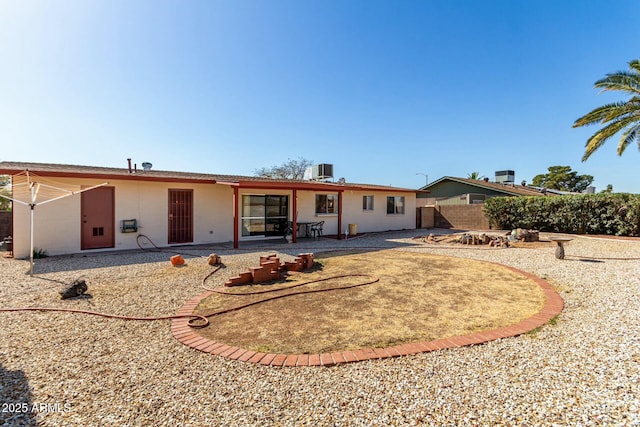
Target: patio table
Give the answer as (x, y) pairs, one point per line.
(306, 226)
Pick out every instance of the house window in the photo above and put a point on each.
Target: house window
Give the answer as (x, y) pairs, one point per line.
(326, 204)
(367, 203)
(395, 205)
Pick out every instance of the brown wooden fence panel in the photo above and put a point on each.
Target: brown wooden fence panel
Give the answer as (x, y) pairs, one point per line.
(425, 217)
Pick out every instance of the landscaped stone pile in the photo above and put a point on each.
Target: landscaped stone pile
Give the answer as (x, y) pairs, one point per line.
(499, 240)
(483, 239)
(78, 370)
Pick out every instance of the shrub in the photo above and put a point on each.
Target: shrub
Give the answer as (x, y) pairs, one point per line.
(39, 253)
(614, 214)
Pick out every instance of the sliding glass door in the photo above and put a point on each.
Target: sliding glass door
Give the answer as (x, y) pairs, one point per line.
(276, 215)
(264, 215)
(253, 219)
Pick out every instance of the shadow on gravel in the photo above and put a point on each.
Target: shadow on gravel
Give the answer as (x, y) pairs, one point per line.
(78, 262)
(151, 254)
(597, 259)
(16, 406)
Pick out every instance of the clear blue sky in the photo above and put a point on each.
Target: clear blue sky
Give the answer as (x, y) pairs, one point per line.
(384, 90)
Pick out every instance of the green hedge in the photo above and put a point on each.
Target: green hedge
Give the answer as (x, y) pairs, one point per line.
(613, 214)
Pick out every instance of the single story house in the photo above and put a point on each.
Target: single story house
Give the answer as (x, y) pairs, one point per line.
(450, 190)
(85, 208)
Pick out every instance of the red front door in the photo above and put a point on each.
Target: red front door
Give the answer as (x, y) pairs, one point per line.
(98, 218)
(180, 216)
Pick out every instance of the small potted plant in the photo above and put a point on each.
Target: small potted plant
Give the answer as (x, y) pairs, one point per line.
(288, 234)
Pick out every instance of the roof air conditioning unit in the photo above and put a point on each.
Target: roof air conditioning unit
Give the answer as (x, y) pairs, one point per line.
(505, 177)
(317, 172)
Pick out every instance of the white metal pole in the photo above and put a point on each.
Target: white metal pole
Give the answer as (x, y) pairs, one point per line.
(33, 205)
(35, 187)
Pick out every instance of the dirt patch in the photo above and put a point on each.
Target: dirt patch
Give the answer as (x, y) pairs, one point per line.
(418, 297)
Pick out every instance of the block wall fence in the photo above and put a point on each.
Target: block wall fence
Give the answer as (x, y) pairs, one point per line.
(463, 217)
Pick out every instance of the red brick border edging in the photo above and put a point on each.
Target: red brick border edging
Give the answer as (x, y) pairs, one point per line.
(189, 337)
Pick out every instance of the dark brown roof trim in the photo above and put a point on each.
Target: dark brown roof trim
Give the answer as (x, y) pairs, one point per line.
(127, 177)
(68, 171)
(73, 171)
(311, 186)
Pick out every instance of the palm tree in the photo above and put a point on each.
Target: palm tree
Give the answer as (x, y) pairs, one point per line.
(622, 116)
(475, 175)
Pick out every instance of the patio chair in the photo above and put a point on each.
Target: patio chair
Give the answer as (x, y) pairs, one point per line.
(316, 229)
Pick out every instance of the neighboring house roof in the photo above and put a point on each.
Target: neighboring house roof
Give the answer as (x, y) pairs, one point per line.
(507, 189)
(553, 191)
(76, 171)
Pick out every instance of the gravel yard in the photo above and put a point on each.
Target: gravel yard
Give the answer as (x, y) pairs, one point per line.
(78, 370)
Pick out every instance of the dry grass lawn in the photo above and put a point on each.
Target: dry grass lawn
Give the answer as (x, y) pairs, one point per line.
(419, 297)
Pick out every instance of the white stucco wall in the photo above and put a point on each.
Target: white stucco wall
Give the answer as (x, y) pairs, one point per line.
(352, 212)
(57, 226)
(307, 211)
(378, 219)
(367, 221)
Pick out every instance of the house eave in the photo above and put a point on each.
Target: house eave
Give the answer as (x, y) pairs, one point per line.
(138, 175)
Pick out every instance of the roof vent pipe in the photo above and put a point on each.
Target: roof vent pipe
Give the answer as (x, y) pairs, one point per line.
(129, 162)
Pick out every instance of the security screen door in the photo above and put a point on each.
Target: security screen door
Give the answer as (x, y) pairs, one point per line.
(180, 216)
